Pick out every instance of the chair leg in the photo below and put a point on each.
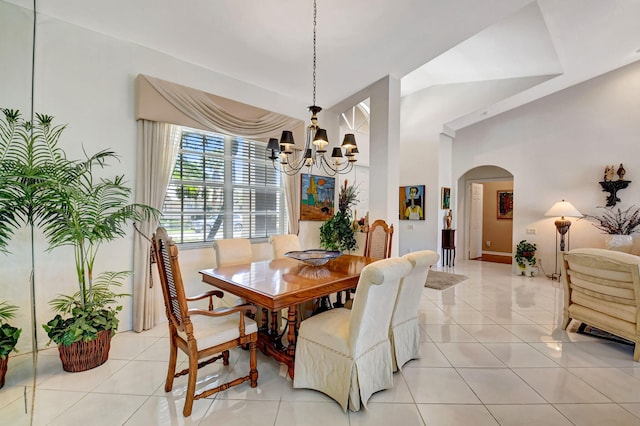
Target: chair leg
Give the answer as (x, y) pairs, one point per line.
(225, 357)
(171, 370)
(636, 352)
(191, 384)
(566, 320)
(253, 365)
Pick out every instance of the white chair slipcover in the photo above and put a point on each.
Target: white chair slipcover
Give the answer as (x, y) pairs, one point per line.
(346, 354)
(405, 332)
(233, 251)
(280, 244)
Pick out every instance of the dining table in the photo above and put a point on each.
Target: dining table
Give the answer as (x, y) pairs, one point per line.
(285, 283)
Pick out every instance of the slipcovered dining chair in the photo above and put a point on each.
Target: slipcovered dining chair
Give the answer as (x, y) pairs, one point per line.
(405, 331)
(280, 244)
(346, 354)
(201, 334)
(233, 251)
(379, 239)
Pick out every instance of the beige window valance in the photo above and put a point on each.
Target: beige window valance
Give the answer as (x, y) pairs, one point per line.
(162, 101)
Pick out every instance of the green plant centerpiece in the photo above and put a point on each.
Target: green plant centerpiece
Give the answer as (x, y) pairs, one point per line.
(8, 337)
(73, 207)
(337, 232)
(526, 257)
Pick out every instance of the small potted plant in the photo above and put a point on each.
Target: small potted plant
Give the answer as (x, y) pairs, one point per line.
(337, 233)
(8, 337)
(526, 258)
(619, 225)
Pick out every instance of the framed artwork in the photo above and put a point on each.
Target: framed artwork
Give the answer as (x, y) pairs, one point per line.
(446, 198)
(316, 197)
(411, 202)
(505, 204)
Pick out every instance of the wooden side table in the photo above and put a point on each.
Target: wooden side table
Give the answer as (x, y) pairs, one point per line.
(448, 247)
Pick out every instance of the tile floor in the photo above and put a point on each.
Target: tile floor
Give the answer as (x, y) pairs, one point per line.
(492, 354)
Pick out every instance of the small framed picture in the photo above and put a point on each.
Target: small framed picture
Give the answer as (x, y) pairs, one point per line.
(446, 198)
(505, 204)
(412, 202)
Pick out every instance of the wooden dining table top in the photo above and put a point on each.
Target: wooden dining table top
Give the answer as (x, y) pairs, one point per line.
(280, 283)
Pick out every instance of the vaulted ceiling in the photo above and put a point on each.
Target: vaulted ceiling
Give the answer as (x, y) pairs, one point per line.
(470, 58)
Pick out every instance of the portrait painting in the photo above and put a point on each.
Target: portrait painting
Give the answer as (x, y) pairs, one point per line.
(446, 198)
(505, 204)
(411, 202)
(316, 198)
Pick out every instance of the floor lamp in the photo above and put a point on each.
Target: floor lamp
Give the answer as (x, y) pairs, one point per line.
(562, 208)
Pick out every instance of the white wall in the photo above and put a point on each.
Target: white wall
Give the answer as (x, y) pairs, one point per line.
(557, 147)
(86, 79)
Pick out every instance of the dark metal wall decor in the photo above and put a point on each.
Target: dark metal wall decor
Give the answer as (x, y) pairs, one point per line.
(613, 186)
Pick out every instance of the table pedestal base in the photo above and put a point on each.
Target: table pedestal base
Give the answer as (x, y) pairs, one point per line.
(270, 344)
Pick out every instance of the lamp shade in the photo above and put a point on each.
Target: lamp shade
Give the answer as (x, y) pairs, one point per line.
(273, 144)
(349, 141)
(287, 138)
(563, 209)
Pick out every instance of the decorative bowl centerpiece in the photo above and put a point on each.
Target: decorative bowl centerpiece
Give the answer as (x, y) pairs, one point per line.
(313, 257)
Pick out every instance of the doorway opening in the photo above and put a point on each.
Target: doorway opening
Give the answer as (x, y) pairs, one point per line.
(487, 208)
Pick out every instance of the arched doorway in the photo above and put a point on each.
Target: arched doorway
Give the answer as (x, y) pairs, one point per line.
(486, 205)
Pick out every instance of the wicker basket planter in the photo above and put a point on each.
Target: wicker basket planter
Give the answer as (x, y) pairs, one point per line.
(83, 356)
(3, 370)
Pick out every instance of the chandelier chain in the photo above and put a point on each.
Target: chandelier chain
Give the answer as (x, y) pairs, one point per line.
(315, 13)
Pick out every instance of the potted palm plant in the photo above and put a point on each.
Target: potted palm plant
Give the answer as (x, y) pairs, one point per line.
(83, 211)
(73, 207)
(8, 337)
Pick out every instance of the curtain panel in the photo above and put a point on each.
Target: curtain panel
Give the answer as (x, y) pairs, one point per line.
(159, 102)
(157, 148)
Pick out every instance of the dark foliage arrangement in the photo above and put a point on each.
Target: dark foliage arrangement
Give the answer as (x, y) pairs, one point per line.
(617, 222)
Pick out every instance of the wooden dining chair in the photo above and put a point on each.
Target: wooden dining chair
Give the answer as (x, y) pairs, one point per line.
(346, 353)
(201, 334)
(377, 245)
(405, 331)
(379, 239)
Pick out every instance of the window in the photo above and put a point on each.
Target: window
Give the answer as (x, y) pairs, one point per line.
(222, 187)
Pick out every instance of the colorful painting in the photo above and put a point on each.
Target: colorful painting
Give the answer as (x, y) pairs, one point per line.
(505, 204)
(317, 196)
(446, 198)
(411, 202)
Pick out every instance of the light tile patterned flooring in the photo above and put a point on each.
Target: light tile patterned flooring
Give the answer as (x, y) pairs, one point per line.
(492, 353)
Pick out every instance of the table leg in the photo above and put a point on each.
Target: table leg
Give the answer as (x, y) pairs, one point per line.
(275, 329)
(291, 333)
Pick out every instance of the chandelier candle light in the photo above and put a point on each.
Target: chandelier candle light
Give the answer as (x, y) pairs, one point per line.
(286, 158)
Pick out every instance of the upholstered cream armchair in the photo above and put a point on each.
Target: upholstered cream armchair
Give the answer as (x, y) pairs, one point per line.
(346, 354)
(602, 289)
(405, 331)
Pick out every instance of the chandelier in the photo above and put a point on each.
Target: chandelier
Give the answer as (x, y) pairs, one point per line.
(288, 159)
